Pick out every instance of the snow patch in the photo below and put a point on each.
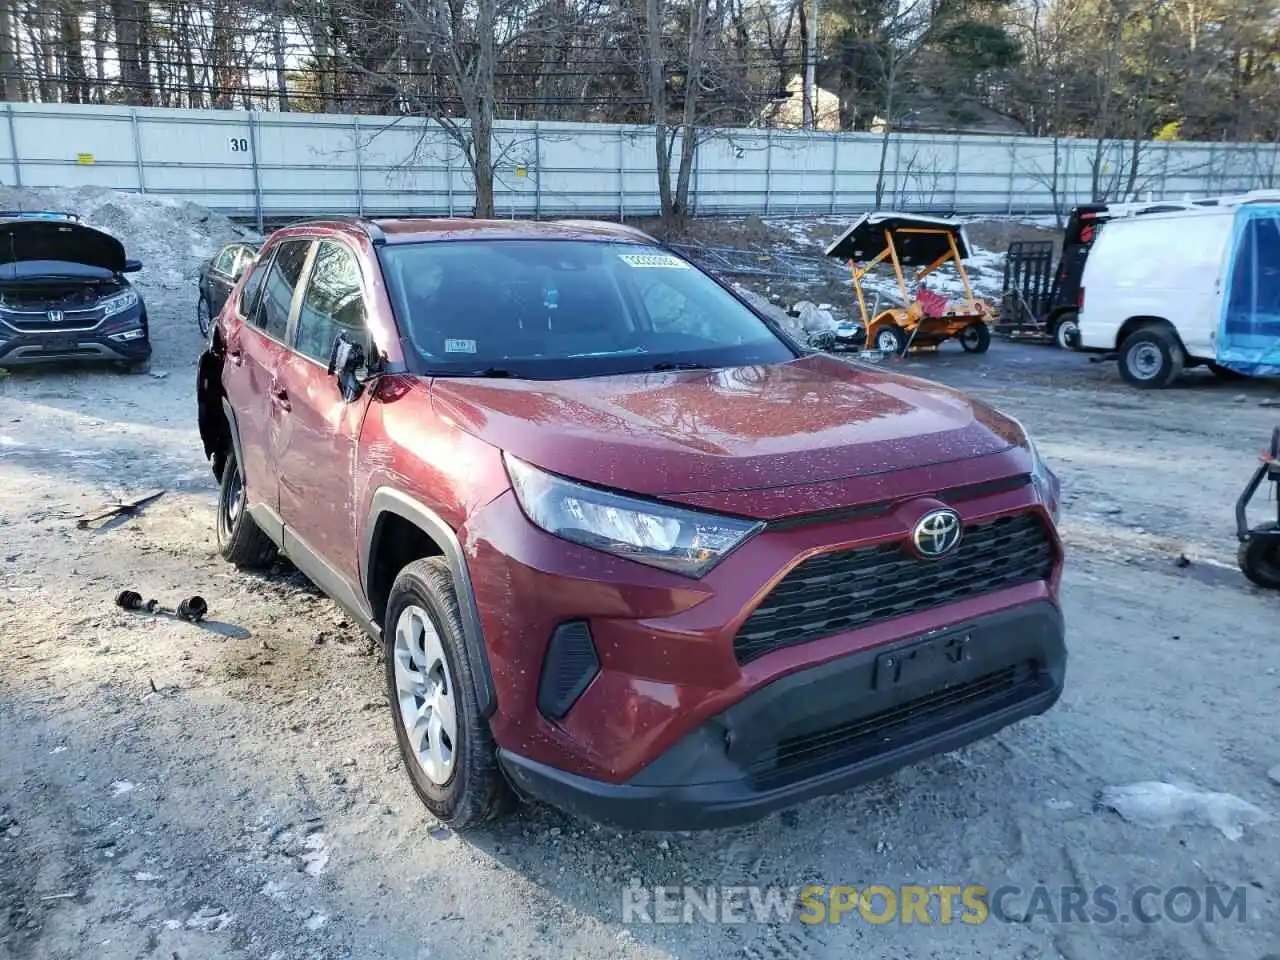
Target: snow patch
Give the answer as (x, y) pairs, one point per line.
(316, 857)
(172, 238)
(1162, 805)
(119, 787)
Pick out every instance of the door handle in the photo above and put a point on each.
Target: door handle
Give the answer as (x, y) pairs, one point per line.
(281, 397)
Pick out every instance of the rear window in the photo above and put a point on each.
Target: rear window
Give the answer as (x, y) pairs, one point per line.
(559, 308)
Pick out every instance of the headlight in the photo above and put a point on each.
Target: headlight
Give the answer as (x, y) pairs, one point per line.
(118, 303)
(1045, 480)
(682, 541)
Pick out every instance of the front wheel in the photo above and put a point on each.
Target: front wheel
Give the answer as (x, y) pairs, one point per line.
(444, 741)
(976, 337)
(1259, 557)
(1151, 358)
(891, 338)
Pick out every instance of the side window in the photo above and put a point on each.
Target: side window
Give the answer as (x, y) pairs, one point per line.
(272, 312)
(226, 261)
(332, 304)
(244, 259)
(249, 292)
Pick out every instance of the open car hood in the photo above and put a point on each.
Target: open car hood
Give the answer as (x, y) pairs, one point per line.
(23, 240)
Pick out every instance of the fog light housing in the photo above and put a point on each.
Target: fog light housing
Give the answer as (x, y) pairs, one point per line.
(569, 667)
(127, 335)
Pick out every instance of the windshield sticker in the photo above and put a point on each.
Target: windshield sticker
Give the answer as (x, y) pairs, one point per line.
(459, 346)
(653, 260)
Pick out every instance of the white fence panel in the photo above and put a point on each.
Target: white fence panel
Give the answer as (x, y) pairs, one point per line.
(276, 166)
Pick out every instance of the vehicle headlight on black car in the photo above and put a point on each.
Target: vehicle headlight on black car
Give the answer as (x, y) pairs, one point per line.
(683, 541)
(118, 303)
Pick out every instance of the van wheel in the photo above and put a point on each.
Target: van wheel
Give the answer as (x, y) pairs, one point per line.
(445, 743)
(975, 338)
(240, 540)
(891, 338)
(1151, 358)
(1066, 331)
(1259, 558)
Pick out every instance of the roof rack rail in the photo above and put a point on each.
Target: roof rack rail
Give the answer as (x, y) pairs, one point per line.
(364, 223)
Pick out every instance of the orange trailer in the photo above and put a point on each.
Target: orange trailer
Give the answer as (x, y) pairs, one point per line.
(923, 318)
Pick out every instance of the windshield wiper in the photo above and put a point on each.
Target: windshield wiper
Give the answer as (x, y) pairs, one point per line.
(485, 372)
(679, 365)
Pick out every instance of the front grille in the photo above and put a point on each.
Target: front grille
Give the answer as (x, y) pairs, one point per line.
(834, 592)
(804, 755)
(37, 321)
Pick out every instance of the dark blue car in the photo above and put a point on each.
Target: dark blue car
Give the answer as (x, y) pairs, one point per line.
(64, 295)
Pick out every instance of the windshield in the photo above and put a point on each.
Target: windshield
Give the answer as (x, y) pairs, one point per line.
(556, 309)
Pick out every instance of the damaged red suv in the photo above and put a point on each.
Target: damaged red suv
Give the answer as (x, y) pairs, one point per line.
(628, 548)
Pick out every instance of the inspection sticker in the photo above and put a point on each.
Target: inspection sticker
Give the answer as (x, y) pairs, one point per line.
(653, 260)
(459, 346)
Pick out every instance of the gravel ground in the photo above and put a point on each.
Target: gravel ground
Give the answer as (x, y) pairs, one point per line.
(233, 790)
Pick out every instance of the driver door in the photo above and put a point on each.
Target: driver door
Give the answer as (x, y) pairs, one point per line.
(320, 431)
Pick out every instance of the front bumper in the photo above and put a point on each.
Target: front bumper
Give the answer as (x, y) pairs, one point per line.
(826, 729)
(18, 349)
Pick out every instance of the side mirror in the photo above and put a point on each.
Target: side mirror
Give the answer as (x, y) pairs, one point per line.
(346, 360)
(132, 266)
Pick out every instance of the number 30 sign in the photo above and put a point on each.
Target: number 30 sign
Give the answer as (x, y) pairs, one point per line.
(239, 144)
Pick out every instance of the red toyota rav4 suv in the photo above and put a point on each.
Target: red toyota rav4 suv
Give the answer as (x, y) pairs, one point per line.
(628, 548)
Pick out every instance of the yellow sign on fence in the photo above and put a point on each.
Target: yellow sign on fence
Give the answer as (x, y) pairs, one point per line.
(84, 158)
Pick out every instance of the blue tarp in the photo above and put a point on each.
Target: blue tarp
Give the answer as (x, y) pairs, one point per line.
(1249, 331)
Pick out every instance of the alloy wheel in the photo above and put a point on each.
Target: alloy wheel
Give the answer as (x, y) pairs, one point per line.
(425, 694)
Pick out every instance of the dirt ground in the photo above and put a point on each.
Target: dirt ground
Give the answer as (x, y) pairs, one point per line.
(232, 790)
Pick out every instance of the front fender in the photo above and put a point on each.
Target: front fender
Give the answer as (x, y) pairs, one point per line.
(215, 432)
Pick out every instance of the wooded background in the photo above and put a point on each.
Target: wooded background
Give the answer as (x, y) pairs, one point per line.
(1133, 71)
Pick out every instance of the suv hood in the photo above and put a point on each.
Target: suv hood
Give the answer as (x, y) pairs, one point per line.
(23, 240)
(805, 421)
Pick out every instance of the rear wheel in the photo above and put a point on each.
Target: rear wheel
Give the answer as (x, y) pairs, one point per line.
(240, 540)
(1259, 557)
(1151, 358)
(1066, 331)
(976, 337)
(891, 338)
(203, 317)
(445, 743)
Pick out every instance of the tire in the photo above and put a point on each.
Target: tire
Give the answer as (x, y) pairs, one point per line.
(456, 773)
(136, 367)
(975, 338)
(1151, 358)
(204, 319)
(240, 540)
(891, 338)
(1066, 330)
(1259, 558)
(1224, 373)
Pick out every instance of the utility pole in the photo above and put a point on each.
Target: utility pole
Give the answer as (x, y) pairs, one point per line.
(811, 72)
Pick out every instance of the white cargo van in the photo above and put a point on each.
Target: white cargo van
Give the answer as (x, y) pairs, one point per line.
(1166, 291)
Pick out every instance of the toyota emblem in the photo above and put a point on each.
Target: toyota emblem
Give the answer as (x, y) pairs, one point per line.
(54, 316)
(937, 533)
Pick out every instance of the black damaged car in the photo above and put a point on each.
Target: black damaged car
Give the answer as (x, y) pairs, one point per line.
(64, 295)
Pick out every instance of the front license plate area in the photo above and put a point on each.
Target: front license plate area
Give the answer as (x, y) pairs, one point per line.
(934, 659)
(59, 344)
